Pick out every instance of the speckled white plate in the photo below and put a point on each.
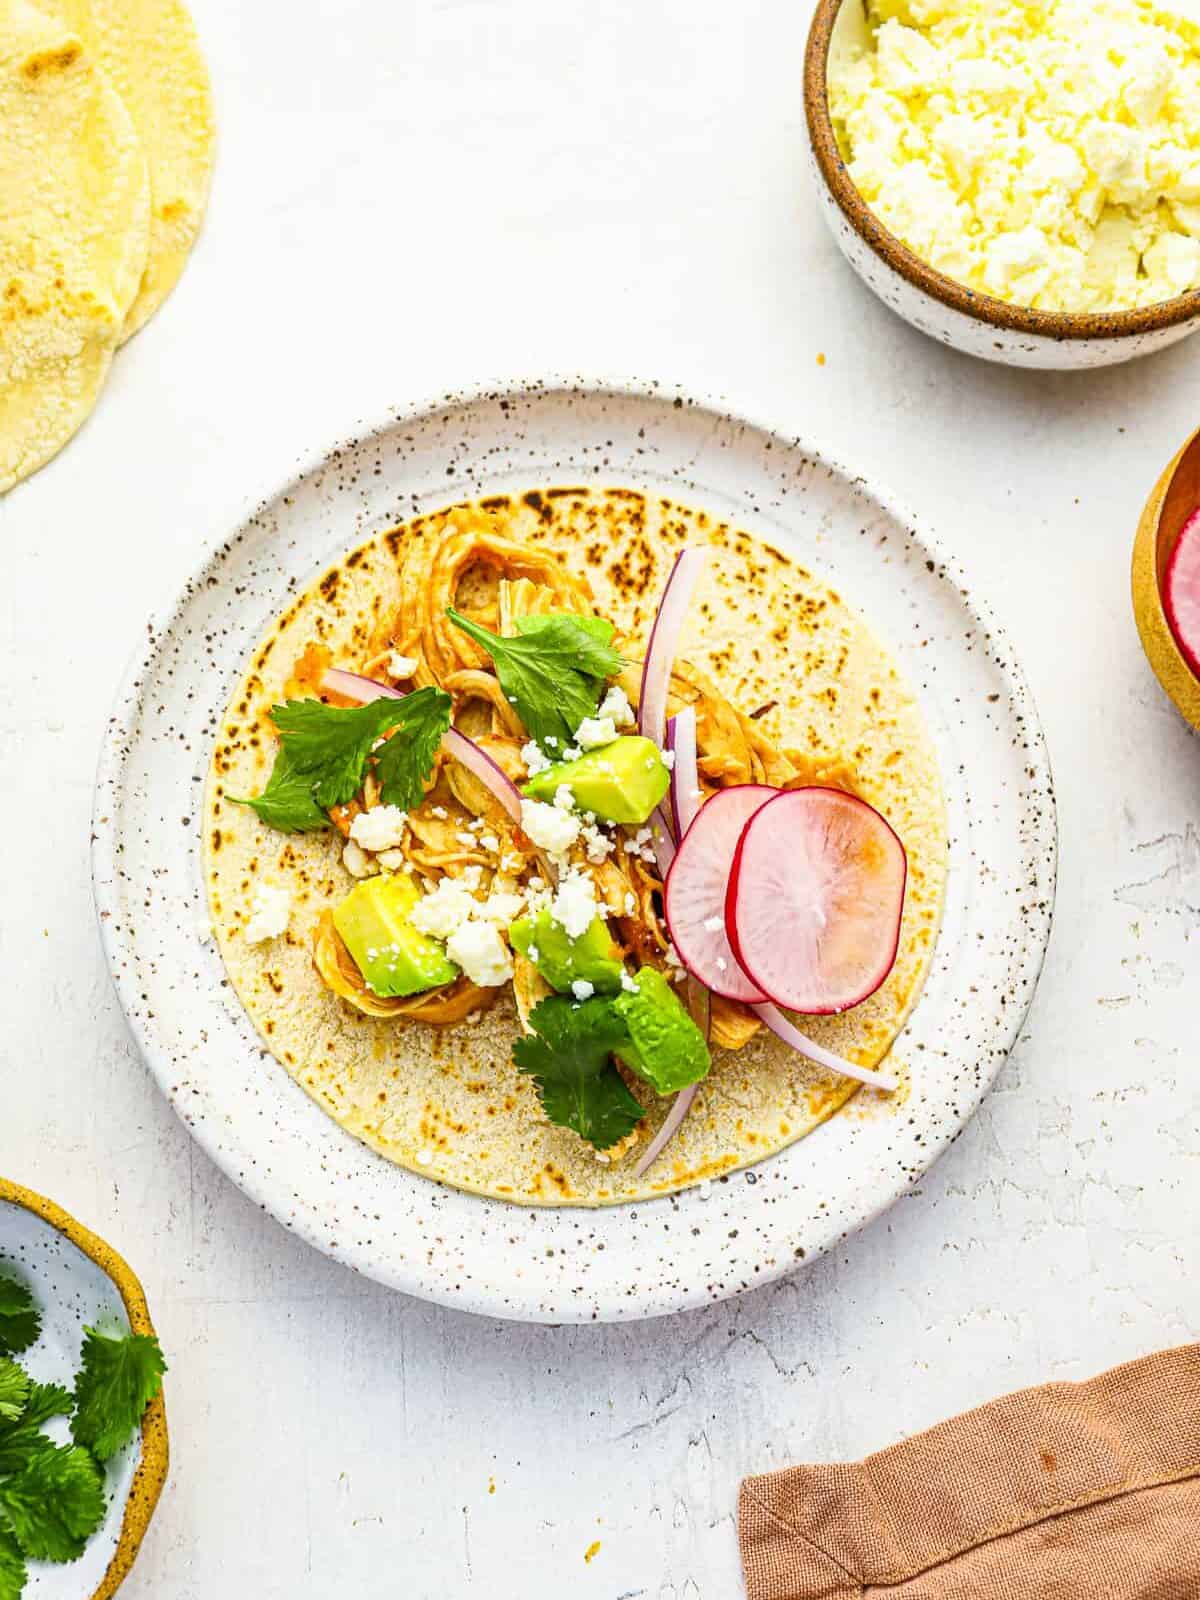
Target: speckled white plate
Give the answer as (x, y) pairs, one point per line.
(485, 1255)
(80, 1282)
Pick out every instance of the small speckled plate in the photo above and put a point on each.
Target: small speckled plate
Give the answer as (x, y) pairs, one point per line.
(80, 1282)
(625, 1261)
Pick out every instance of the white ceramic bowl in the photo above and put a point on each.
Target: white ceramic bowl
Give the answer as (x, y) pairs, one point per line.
(947, 310)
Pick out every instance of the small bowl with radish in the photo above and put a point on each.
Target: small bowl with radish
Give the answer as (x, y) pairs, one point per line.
(1166, 580)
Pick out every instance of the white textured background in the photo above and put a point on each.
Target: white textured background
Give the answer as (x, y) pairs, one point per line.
(415, 195)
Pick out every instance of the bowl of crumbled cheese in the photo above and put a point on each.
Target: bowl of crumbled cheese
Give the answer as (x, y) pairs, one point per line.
(1020, 180)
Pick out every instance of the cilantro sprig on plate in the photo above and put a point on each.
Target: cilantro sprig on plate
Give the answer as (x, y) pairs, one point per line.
(326, 751)
(553, 673)
(52, 1495)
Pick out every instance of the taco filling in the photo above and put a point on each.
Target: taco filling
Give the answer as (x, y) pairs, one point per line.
(493, 805)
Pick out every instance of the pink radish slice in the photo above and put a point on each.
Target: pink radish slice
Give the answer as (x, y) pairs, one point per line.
(1181, 592)
(815, 898)
(694, 893)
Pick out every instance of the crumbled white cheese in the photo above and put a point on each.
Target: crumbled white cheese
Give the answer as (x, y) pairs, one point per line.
(571, 752)
(615, 705)
(269, 913)
(574, 907)
(630, 902)
(393, 861)
(440, 913)
(488, 841)
(534, 954)
(401, 666)
(380, 828)
(713, 924)
(481, 953)
(535, 760)
(439, 812)
(549, 827)
(1046, 154)
(582, 989)
(564, 799)
(668, 759)
(597, 843)
(502, 905)
(629, 984)
(593, 732)
(472, 875)
(356, 860)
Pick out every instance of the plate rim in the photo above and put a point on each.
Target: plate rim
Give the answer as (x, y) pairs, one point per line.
(120, 725)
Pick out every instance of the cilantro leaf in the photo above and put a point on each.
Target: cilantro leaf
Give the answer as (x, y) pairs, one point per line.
(600, 628)
(18, 1446)
(553, 673)
(119, 1378)
(569, 1058)
(331, 744)
(14, 1390)
(13, 1570)
(20, 1322)
(56, 1502)
(47, 1400)
(405, 760)
(287, 802)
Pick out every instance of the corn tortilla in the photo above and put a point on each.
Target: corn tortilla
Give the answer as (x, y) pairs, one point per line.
(447, 1102)
(74, 220)
(149, 51)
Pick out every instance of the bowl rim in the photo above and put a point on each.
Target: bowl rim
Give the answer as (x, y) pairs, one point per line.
(1167, 660)
(151, 1473)
(1057, 325)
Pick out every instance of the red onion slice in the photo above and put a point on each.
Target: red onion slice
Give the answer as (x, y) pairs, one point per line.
(661, 841)
(783, 1028)
(493, 777)
(664, 642)
(355, 687)
(679, 1109)
(685, 770)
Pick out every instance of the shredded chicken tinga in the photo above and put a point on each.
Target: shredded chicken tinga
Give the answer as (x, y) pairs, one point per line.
(494, 581)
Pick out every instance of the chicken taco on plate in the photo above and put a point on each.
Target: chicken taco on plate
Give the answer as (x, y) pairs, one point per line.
(575, 846)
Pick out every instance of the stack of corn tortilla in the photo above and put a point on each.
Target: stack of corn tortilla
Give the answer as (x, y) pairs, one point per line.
(106, 147)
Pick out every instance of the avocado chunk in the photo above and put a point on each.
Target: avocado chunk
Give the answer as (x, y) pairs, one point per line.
(593, 958)
(619, 782)
(393, 957)
(665, 1046)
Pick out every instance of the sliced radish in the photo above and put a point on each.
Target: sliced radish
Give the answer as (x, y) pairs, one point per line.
(814, 899)
(694, 893)
(1181, 592)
